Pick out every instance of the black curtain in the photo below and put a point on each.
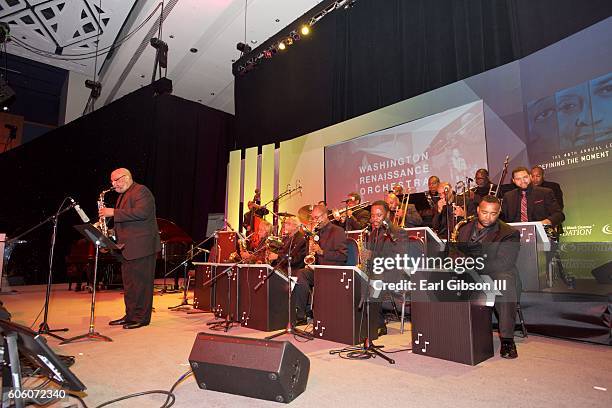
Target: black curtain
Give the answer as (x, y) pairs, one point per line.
(382, 52)
(178, 148)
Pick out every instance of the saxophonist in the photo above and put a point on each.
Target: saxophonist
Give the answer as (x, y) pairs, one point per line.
(499, 244)
(331, 249)
(137, 231)
(255, 250)
(294, 240)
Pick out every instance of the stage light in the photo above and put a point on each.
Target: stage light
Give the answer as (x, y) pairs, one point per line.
(281, 45)
(305, 30)
(243, 48)
(267, 54)
(295, 36)
(288, 41)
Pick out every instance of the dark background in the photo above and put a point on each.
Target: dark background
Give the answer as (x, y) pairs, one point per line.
(382, 52)
(177, 148)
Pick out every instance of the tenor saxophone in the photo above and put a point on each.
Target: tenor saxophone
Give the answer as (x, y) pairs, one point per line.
(313, 237)
(455, 234)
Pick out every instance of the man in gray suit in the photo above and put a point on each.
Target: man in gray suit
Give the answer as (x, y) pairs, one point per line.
(138, 235)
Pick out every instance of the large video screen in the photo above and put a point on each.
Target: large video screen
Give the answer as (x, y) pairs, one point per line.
(450, 145)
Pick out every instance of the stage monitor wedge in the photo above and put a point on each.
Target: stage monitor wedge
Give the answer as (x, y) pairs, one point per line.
(264, 369)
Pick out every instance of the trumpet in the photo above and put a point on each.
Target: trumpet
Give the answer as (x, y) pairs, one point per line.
(338, 213)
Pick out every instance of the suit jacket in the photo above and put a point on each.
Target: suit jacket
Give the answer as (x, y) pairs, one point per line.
(556, 188)
(413, 218)
(439, 218)
(358, 220)
(299, 250)
(332, 241)
(501, 245)
(541, 204)
(135, 223)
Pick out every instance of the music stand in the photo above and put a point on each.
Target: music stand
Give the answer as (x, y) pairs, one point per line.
(33, 346)
(99, 240)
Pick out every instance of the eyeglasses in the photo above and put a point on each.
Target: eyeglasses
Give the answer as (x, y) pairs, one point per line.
(118, 178)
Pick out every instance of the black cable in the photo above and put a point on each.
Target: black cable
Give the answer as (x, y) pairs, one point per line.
(181, 378)
(70, 394)
(140, 394)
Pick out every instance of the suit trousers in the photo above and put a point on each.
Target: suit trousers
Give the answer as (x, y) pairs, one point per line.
(138, 277)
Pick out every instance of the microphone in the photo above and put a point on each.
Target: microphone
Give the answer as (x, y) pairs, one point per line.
(388, 233)
(79, 211)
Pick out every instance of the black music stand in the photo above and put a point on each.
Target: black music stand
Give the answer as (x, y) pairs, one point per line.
(20, 339)
(99, 240)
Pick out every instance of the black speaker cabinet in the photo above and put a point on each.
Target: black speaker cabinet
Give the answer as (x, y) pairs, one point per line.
(336, 305)
(459, 331)
(264, 369)
(203, 296)
(267, 307)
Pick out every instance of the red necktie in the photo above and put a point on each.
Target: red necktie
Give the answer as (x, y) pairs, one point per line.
(524, 217)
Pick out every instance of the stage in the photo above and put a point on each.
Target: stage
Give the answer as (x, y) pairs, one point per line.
(548, 372)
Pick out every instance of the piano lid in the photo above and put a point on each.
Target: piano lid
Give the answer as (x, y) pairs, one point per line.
(170, 232)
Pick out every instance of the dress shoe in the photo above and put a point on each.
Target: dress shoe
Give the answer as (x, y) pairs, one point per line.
(135, 325)
(508, 350)
(300, 321)
(119, 322)
(382, 330)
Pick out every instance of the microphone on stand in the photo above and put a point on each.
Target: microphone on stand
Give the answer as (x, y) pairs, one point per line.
(388, 233)
(79, 210)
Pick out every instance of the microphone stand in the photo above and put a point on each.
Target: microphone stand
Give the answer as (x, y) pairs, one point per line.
(189, 257)
(227, 322)
(367, 349)
(290, 329)
(44, 326)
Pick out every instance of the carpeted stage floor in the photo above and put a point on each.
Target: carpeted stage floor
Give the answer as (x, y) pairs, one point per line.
(549, 372)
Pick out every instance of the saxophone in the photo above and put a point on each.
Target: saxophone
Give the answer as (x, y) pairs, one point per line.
(365, 254)
(313, 237)
(455, 234)
(101, 224)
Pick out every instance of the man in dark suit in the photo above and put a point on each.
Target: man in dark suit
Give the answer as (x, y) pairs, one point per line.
(537, 178)
(450, 210)
(483, 185)
(498, 244)
(330, 249)
(138, 235)
(353, 220)
(294, 240)
(529, 202)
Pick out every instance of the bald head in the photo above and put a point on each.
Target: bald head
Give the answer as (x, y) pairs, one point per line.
(121, 180)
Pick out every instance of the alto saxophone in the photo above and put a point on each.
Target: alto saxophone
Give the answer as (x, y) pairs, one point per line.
(313, 237)
(101, 224)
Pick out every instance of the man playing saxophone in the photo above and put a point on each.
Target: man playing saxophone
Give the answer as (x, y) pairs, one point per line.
(330, 249)
(294, 240)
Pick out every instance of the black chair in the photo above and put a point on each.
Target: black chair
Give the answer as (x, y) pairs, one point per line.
(352, 258)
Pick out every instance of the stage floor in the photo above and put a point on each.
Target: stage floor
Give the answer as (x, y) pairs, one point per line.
(549, 372)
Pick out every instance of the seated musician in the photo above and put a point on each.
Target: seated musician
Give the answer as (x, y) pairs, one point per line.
(351, 220)
(396, 212)
(450, 210)
(530, 202)
(498, 244)
(331, 249)
(483, 185)
(255, 251)
(537, 179)
(384, 241)
(431, 195)
(293, 238)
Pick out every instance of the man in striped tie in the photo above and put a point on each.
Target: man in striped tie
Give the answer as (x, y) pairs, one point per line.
(529, 202)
